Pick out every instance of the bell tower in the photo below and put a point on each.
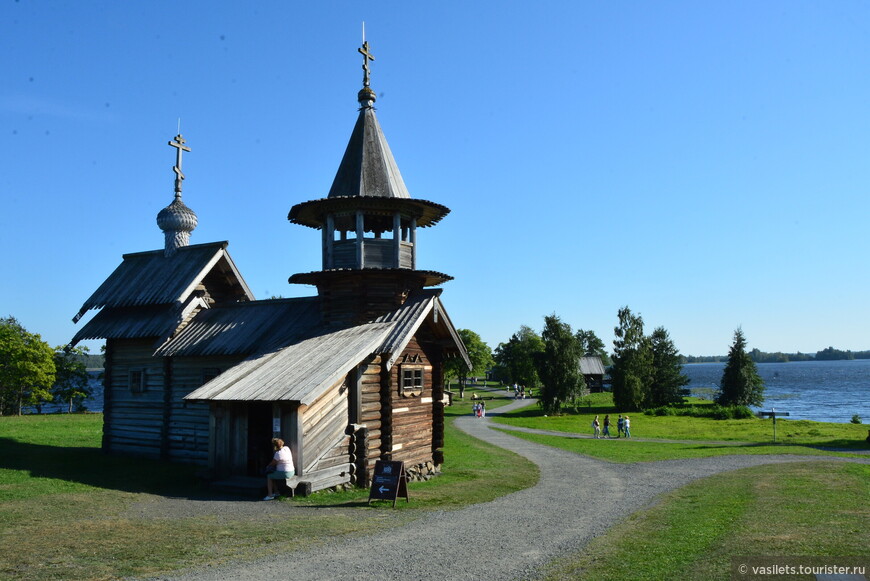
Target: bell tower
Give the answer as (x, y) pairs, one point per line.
(369, 225)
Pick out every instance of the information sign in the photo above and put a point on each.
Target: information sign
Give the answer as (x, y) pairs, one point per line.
(389, 481)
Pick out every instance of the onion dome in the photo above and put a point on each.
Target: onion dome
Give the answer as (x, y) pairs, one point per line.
(177, 220)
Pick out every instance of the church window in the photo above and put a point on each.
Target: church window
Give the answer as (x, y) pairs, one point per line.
(412, 381)
(137, 380)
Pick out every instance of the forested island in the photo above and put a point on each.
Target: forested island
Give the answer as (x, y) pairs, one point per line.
(758, 356)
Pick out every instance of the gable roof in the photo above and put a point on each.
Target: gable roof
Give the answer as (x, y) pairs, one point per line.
(591, 365)
(151, 278)
(298, 372)
(312, 363)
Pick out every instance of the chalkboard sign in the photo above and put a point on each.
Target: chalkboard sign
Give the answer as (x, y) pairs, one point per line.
(389, 482)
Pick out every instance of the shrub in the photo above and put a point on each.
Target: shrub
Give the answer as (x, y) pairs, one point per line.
(856, 419)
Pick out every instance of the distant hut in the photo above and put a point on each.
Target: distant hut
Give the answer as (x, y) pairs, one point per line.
(199, 371)
(592, 369)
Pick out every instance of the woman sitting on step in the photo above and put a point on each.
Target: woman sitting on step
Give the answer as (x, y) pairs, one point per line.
(283, 464)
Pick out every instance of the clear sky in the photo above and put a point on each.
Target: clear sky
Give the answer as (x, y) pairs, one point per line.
(705, 163)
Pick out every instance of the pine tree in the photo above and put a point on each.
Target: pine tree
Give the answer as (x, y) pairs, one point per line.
(667, 378)
(741, 384)
(559, 366)
(632, 369)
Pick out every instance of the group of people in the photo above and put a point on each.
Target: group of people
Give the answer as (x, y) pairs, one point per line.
(623, 427)
(520, 391)
(479, 409)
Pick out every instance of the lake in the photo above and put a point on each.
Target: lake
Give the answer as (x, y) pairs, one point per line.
(824, 391)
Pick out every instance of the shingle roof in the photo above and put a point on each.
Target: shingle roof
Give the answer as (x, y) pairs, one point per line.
(243, 328)
(299, 372)
(303, 370)
(151, 278)
(591, 365)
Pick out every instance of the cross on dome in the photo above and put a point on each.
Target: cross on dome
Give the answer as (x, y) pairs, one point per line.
(178, 144)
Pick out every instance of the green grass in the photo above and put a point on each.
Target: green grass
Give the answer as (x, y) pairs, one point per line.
(785, 510)
(634, 451)
(64, 504)
(754, 430)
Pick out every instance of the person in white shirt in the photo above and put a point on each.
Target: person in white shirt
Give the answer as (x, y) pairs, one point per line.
(283, 464)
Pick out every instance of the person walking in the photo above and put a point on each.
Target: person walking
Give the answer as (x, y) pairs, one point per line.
(596, 427)
(627, 427)
(606, 432)
(620, 426)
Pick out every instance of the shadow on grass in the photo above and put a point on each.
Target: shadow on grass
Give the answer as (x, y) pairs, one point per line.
(92, 467)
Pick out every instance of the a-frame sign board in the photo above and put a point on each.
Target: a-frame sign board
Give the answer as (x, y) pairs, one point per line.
(389, 481)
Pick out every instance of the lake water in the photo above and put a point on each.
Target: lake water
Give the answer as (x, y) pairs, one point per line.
(824, 391)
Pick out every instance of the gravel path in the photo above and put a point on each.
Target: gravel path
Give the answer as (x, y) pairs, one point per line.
(509, 538)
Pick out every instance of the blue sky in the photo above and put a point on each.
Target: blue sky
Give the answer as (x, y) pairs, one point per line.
(704, 163)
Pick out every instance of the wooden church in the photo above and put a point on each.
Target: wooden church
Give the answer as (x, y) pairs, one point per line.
(198, 371)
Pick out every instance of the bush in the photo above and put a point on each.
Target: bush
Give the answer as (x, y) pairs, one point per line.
(856, 419)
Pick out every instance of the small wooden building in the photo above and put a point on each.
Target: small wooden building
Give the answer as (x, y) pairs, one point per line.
(592, 369)
(199, 371)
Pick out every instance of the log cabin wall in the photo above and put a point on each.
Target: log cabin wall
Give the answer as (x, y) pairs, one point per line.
(187, 422)
(412, 410)
(135, 399)
(357, 298)
(370, 416)
(325, 441)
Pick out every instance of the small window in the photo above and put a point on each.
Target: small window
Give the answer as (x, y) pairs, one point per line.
(412, 381)
(137, 380)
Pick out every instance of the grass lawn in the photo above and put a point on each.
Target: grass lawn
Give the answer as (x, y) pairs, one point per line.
(754, 430)
(797, 510)
(64, 504)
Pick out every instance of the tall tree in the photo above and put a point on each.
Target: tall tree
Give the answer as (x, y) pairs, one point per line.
(667, 377)
(71, 384)
(478, 352)
(559, 366)
(632, 368)
(741, 384)
(26, 368)
(590, 344)
(517, 357)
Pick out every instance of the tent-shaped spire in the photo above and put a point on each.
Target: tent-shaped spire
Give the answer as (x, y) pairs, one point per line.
(368, 167)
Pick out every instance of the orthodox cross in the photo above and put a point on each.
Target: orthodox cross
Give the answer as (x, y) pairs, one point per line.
(367, 56)
(178, 144)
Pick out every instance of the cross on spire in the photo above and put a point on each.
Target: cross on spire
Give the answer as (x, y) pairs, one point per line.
(367, 56)
(178, 144)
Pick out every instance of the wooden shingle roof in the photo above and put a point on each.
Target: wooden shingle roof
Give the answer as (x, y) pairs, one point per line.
(308, 366)
(244, 328)
(151, 278)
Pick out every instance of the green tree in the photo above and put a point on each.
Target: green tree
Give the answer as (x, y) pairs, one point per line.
(478, 352)
(741, 384)
(632, 368)
(667, 376)
(590, 344)
(559, 366)
(26, 368)
(516, 358)
(71, 384)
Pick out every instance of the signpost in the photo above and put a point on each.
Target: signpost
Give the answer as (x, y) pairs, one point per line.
(389, 481)
(772, 414)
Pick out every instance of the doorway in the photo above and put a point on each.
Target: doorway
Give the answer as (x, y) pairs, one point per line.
(259, 437)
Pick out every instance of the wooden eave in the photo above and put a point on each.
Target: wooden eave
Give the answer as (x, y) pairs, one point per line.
(419, 277)
(313, 213)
